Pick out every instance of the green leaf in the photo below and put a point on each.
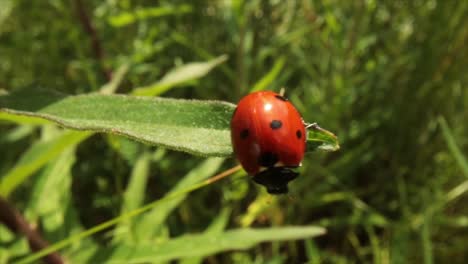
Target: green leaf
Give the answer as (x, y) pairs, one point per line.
(209, 244)
(55, 208)
(197, 127)
(134, 195)
(56, 176)
(321, 139)
(6, 6)
(36, 157)
(217, 226)
(180, 75)
(124, 217)
(150, 223)
(220, 222)
(12, 247)
(193, 126)
(117, 78)
(17, 134)
(130, 150)
(270, 76)
(262, 202)
(452, 145)
(126, 18)
(21, 120)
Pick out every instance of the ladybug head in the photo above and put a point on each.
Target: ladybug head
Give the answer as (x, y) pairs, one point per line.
(276, 179)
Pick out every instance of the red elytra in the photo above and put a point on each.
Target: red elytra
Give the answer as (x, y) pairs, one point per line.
(268, 136)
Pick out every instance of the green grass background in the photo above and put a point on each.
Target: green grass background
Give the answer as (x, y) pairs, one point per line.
(388, 77)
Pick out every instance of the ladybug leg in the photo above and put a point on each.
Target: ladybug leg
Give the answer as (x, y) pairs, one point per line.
(311, 125)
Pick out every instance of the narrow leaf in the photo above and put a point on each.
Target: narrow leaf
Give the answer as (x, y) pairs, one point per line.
(117, 78)
(20, 119)
(36, 157)
(6, 6)
(180, 75)
(56, 176)
(210, 244)
(55, 208)
(134, 195)
(263, 83)
(262, 203)
(220, 222)
(216, 227)
(452, 145)
(17, 134)
(126, 18)
(152, 221)
(197, 127)
(86, 234)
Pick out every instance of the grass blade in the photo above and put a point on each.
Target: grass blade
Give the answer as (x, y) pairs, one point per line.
(36, 157)
(263, 83)
(180, 75)
(150, 223)
(452, 145)
(190, 246)
(134, 196)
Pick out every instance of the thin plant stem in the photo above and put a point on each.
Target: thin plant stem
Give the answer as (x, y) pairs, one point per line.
(64, 243)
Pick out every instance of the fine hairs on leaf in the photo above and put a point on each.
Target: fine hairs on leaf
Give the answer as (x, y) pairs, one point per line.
(193, 126)
(199, 127)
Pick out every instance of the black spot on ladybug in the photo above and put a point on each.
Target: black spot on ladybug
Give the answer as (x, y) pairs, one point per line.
(282, 98)
(244, 133)
(275, 124)
(298, 134)
(268, 159)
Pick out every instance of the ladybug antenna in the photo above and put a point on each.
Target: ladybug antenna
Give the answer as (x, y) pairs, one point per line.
(282, 91)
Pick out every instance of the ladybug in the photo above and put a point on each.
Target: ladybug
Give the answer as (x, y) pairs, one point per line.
(269, 139)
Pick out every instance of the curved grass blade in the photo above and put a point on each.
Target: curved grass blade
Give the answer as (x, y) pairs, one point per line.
(208, 244)
(36, 157)
(452, 145)
(179, 76)
(124, 217)
(126, 18)
(149, 225)
(266, 80)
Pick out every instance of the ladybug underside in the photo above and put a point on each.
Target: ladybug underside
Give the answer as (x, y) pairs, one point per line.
(276, 179)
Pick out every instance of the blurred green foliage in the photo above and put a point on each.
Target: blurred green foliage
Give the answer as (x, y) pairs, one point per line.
(380, 74)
